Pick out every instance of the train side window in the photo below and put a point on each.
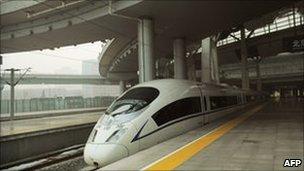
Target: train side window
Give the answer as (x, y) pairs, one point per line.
(216, 102)
(222, 101)
(231, 100)
(250, 98)
(177, 109)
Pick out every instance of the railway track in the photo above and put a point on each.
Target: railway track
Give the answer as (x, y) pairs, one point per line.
(51, 159)
(54, 159)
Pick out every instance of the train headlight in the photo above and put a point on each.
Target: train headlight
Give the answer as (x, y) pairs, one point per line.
(117, 135)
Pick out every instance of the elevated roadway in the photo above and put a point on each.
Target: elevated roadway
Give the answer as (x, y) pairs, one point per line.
(59, 79)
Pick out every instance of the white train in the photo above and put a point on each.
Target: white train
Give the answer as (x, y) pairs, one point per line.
(152, 112)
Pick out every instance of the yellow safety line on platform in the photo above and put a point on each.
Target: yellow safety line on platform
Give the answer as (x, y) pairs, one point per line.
(178, 157)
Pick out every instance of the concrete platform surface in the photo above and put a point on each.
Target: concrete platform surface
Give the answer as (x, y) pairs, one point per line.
(38, 124)
(262, 142)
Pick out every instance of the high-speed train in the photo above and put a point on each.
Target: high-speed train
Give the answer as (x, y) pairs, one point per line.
(154, 111)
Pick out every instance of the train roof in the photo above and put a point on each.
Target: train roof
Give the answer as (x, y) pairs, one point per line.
(181, 84)
(160, 83)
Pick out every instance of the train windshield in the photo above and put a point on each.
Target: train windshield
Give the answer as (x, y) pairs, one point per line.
(133, 101)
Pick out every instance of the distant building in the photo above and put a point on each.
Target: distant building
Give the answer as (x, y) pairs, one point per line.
(66, 70)
(90, 67)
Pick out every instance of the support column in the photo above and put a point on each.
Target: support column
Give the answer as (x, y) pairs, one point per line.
(122, 86)
(259, 80)
(191, 68)
(1, 85)
(214, 66)
(294, 92)
(209, 62)
(205, 61)
(146, 64)
(179, 59)
(283, 92)
(245, 76)
(12, 84)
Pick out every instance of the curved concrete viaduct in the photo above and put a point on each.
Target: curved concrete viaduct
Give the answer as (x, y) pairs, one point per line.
(53, 24)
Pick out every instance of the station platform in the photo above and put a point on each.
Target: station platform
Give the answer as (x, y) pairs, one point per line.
(17, 127)
(26, 140)
(260, 138)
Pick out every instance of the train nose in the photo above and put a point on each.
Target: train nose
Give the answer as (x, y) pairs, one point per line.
(103, 154)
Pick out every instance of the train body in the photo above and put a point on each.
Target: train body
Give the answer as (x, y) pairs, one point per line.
(152, 112)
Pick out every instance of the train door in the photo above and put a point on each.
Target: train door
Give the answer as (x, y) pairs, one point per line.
(204, 107)
(243, 98)
(239, 99)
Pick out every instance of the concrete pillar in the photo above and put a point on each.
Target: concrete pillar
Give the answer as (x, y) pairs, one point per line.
(259, 80)
(209, 62)
(1, 85)
(214, 60)
(146, 64)
(122, 86)
(191, 68)
(205, 61)
(294, 92)
(282, 92)
(179, 59)
(245, 75)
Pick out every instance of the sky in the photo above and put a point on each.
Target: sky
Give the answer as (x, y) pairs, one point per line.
(65, 60)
